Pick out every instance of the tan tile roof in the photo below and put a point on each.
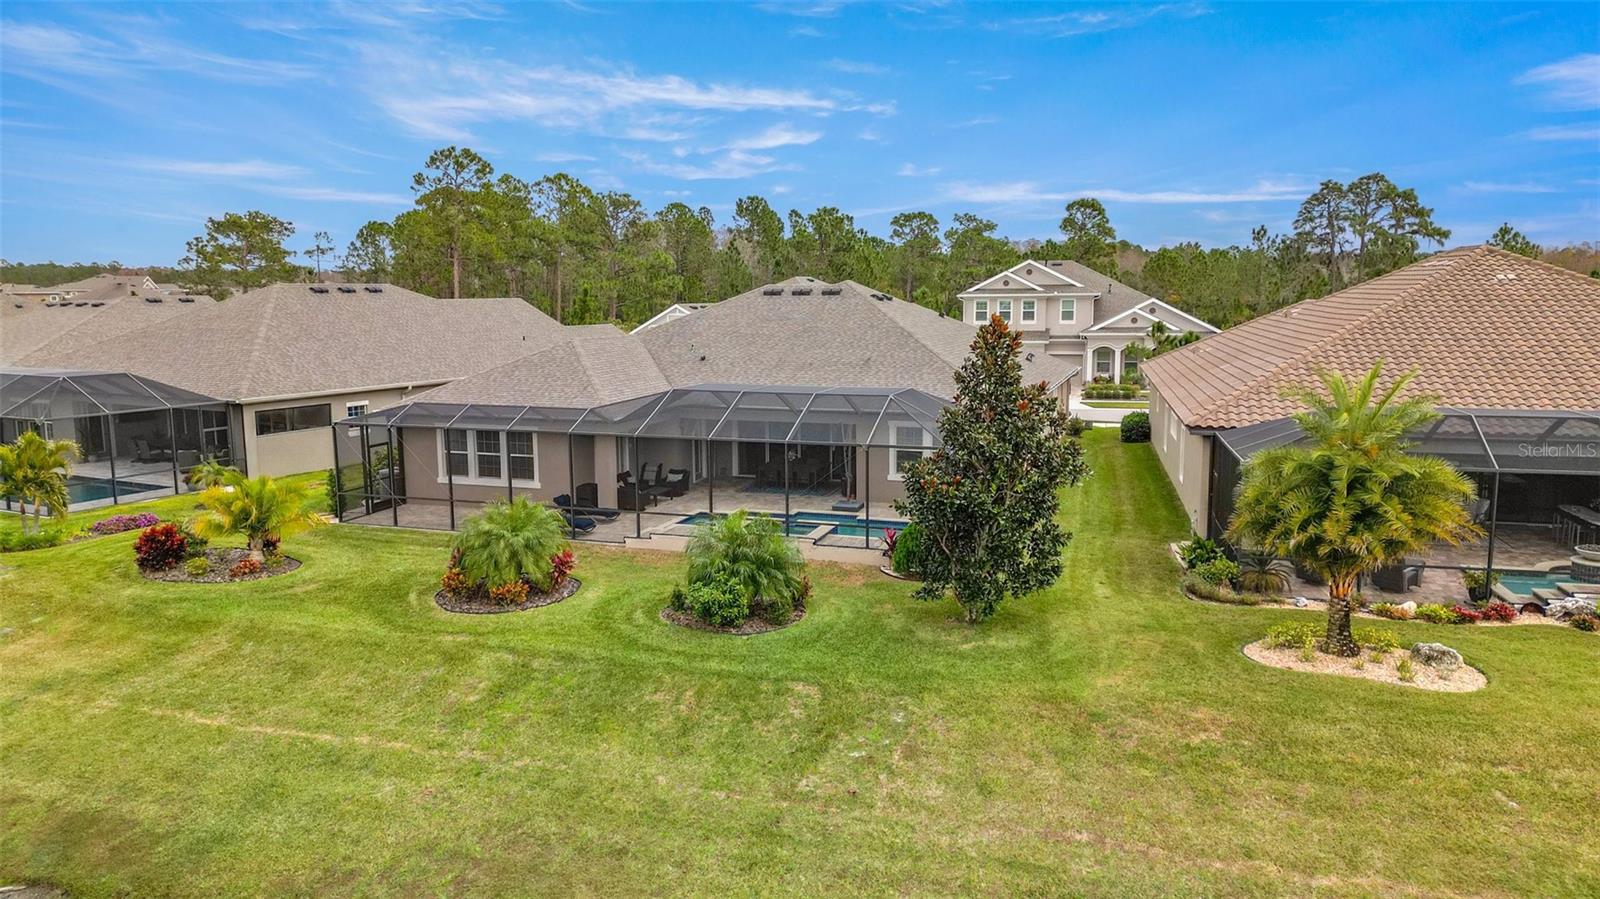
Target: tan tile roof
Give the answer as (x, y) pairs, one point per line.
(288, 340)
(1483, 327)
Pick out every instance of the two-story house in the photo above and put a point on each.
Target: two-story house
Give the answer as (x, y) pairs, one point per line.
(1073, 312)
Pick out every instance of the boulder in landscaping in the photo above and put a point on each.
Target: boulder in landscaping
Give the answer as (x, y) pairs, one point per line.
(1410, 605)
(1558, 609)
(1436, 655)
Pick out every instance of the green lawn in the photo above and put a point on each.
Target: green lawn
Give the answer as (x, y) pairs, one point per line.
(331, 732)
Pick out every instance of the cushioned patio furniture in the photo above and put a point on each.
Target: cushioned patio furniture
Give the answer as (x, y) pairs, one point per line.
(564, 503)
(630, 497)
(578, 522)
(676, 482)
(143, 453)
(1398, 578)
(588, 495)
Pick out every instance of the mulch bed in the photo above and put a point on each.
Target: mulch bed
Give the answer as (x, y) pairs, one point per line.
(480, 603)
(745, 628)
(222, 560)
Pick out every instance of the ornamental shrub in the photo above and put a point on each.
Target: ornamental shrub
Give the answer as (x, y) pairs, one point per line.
(1296, 635)
(1376, 639)
(509, 541)
(116, 524)
(1391, 611)
(717, 602)
(244, 568)
(1221, 592)
(160, 547)
(1136, 427)
(1464, 615)
(908, 550)
(1498, 611)
(1076, 426)
(1198, 551)
(454, 582)
(14, 541)
(197, 567)
(749, 554)
(1433, 613)
(1586, 622)
(561, 565)
(511, 593)
(1218, 571)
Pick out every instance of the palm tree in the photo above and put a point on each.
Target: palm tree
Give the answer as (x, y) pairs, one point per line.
(509, 540)
(1353, 499)
(35, 471)
(211, 472)
(256, 509)
(748, 552)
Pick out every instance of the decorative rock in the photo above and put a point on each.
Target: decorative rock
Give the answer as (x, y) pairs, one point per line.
(1436, 655)
(1301, 602)
(1410, 605)
(1566, 608)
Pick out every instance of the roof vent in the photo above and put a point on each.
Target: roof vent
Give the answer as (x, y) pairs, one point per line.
(319, 290)
(373, 289)
(800, 292)
(186, 299)
(81, 303)
(773, 292)
(347, 290)
(19, 305)
(152, 299)
(832, 291)
(98, 303)
(1029, 357)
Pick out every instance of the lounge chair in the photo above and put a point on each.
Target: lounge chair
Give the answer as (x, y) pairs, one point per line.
(630, 497)
(578, 522)
(564, 503)
(143, 453)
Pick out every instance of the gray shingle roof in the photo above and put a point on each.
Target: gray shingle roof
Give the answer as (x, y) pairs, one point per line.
(29, 326)
(289, 339)
(587, 367)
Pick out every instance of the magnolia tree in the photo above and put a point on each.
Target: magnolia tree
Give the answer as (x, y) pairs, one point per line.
(986, 500)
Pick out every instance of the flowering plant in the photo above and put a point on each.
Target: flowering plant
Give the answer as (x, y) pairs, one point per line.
(116, 524)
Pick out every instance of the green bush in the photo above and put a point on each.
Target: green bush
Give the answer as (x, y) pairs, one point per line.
(1221, 592)
(1434, 613)
(12, 541)
(908, 550)
(1136, 427)
(716, 602)
(1376, 639)
(1198, 551)
(1295, 635)
(511, 540)
(1219, 571)
(1076, 426)
(1259, 573)
(198, 566)
(750, 555)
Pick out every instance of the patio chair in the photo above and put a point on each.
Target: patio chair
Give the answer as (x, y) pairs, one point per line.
(1398, 578)
(143, 453)
(630, 497)
(578, 522)
(564, 503)
(676, 482)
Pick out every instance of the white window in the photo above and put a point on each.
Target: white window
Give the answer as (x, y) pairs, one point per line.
(980, 312)
(1029, 311)
(484, 457)
(351, 410)
(908, 439)
(1002, 308)
(1102, 362)
(1069, 310)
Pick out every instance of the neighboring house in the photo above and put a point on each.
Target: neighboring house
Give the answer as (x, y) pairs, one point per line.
(1069, 310)
(289, 359)
(676, 310)
(828, 389)
(94, 288)
(1510, 341)
(28, 327)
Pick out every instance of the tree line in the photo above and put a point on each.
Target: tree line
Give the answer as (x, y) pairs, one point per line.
(585, 255)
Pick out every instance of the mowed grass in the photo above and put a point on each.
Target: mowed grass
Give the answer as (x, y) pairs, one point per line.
(331, 732)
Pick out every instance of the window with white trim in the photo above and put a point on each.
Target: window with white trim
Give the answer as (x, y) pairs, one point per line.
(907, 439)
(1029, 312)
(1102, 361)
(1002, 308)
(484, 457)
(980, 312)
(351, 410)
(1069, 310)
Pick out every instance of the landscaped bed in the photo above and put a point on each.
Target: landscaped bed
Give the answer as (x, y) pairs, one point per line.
(331, 734)
(480, 602)
(1385, 668)
(224, 566)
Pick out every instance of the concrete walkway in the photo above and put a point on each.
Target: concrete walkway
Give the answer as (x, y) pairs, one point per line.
(1076, 406)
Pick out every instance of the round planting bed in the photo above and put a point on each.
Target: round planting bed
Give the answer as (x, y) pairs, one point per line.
(748, 627)
(478, 602)
(220, 563)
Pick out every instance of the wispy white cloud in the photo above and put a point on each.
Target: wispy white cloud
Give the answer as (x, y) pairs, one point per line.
(975, 122)
(248, 168)
(781, 135)
(781, 189)
(49, 52)
(911, 170)
(1583, 131)
(870, 134)
(816, 9)
(1507, 187)
(272, 178)
(729, 165)
(806, 31)
(564, 157)
(1023, 192)
(856, 67)
(1090, 21)
(337, 195)
(1571, 83)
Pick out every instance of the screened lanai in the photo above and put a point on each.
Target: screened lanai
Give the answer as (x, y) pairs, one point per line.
(1537, 473)
(136, 437)
(825, 461)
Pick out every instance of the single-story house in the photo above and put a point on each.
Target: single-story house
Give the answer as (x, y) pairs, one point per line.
(804, 399)
(284, 361)
(1509, 347)
(1067, 309)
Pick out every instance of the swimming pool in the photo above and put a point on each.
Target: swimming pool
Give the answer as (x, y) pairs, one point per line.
(83, 489)
(799, 523)
(1523, 583)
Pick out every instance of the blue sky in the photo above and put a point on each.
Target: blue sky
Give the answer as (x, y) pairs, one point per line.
(122, 127)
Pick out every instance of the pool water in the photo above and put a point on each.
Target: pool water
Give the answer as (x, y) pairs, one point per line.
(843, 525)
(1524, 583)
(86, 489)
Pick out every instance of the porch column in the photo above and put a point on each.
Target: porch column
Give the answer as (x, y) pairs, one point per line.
(638, 495)
(394, 498)
(785, 489)
(505, 460)
(449, 481)
(172, 447)
(866, 484)
(1494, 518)
(338, 487)
(572, 485)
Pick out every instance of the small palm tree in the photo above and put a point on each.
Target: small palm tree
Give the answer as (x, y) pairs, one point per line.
(35, 471)
(749, 553)
(211, 472)
(1353, 499)
(256, 509)
(509, 540)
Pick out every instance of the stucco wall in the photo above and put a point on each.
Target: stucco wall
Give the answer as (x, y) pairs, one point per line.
(292, 452)
(425, 480)
(1185, 457)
